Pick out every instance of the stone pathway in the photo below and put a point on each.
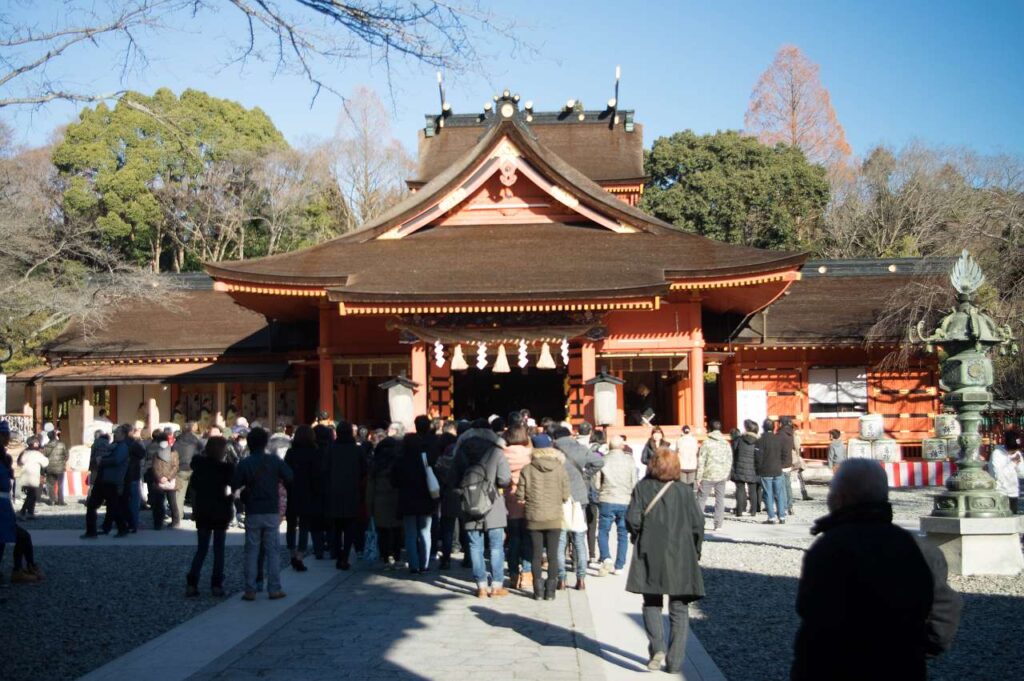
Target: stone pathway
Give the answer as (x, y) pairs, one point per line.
(391, 626)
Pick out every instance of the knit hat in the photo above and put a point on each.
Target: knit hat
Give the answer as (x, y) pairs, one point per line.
(541, 441)
(47, 427)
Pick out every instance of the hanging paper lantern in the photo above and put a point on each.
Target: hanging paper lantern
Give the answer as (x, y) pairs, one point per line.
(458, 360)
(501, 363)
(438, 354)
(565, 351)
(481, 356)
(545, 361)
(524, 359)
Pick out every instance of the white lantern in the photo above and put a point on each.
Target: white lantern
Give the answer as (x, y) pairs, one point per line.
(400, 403)
(606, 398)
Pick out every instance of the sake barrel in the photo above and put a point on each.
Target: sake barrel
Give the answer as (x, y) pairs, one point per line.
(885, 450)
(946, 425)
(858, 449)
(872, 427)
(939, 448)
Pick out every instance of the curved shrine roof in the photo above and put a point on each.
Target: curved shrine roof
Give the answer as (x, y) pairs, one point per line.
(614, 250)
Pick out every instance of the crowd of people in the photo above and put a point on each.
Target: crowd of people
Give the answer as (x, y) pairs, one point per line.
(526, 502)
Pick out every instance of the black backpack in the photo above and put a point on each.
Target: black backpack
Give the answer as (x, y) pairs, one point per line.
(476, 492)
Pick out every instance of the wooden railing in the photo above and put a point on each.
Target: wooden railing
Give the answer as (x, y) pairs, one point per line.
(21, 423)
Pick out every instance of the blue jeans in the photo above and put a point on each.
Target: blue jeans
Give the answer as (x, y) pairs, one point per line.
(496, 538)
(519, 546)
(261, 531)
(134, 503)
(613, 513)
(579, 550)
(775, 496)
(417, 541)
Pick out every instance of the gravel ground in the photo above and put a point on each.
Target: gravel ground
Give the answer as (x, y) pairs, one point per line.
(85, 615)
(738, 631)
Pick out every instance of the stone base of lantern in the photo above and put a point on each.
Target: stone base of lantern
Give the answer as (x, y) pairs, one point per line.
(977, 546)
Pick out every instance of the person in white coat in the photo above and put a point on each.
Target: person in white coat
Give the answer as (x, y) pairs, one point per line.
(1006, 465)
(32, 462)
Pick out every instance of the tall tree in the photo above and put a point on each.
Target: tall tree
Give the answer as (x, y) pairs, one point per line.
(56, 267)
(307, 37)
(370, 165)
(115, 160)
(790, 105)
(733, 188)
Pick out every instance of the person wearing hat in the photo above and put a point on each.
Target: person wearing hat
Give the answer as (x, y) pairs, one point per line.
(543, 487)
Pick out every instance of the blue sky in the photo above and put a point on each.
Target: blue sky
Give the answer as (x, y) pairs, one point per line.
(947, 73)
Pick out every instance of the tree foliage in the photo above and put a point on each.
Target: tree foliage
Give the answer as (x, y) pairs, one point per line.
(56, 268)
(730, 187)
(790, 105)
(118, 162)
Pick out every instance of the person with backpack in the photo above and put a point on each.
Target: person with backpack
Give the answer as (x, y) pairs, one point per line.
(259, 475)
(449, 507)
(667, 532)
(542, 489)
(479, 472)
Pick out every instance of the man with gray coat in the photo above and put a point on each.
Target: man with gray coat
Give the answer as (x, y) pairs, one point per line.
(479, 450)
(581, 464)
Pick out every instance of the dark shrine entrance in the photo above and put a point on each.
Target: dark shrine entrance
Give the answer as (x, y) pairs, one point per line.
(481, 392)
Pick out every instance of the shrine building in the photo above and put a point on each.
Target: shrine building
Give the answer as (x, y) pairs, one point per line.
(517, 273)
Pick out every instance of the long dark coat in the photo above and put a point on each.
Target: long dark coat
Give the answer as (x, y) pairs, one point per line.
(211, 506)
(668, 541)
(381, 495)
(305, 491)
(346, 468)
(861, 616)
(769, 456)
(409, 476)
(743, 463)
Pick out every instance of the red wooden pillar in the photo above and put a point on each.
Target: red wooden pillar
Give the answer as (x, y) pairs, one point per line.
(326, 362)
(588, 369)
(727, 393)
(418, 362)
(111, 408)
(696, 391)
(582, 368)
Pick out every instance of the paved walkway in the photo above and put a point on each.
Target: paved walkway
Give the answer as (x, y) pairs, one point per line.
(378, 625)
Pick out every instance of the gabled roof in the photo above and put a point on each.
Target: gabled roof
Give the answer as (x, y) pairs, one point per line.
(613, 250)
(607, 154)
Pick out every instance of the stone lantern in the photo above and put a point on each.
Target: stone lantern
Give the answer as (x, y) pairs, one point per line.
(971, 521)
(400, 400)
(606, 398)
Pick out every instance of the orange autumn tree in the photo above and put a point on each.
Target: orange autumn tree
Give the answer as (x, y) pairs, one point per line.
(790, 104)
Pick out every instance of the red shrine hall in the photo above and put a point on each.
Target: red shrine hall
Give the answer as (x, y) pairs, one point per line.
(519, 272)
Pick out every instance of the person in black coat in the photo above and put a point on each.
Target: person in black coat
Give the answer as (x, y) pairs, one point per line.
(768, 464)
(668, 531)
(861, 617)
(415, 505)
(744, 469)
(343, 476)
(212, 510)
(304, 496)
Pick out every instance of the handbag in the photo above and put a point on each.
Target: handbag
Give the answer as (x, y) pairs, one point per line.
(433, 486)
(168, 485)
(573, 518)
